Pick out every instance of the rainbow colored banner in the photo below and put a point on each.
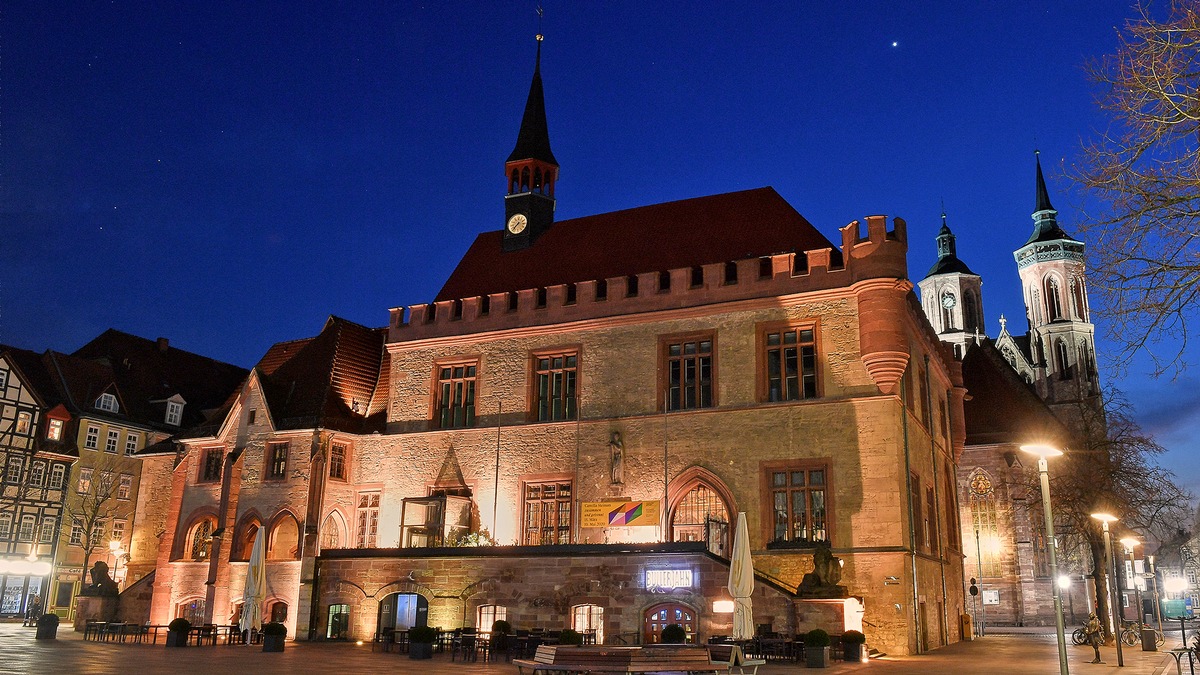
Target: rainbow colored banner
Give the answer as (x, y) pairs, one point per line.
(619, 514)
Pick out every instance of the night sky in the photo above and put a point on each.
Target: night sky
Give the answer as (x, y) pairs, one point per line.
(229, 174)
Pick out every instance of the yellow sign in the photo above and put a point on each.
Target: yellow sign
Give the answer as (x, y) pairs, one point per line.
(618, 514)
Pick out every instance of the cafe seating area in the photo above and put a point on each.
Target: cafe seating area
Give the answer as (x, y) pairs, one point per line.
(469, 645)
(132, 633)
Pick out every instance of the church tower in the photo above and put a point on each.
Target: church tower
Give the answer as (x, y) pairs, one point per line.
(1061, 334)
(531, 171)
(950, 296)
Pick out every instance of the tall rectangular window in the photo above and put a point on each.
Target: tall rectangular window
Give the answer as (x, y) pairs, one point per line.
(548, 513)
(277, 456)
(97, 535)
(456, 395)
(76, 533)
(131, 443)
(28, 523)
(110, 445)
(92, 440)
(37, 474)
(555, 379)
(951, 525)
(490, 614)
(57, 473)
(798, 499)
(118, 530)
(84, 485)
(24, 422)
(919, 524)
(337, 461)
(368, 519)
(15, 465)
(790, 360)
(124, 486)
(689, 373)
(5, 523)
(210, 466)
(54, 430)
(49, 529)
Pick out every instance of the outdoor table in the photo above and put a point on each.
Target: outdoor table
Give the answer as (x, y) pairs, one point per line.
(152, 631)
(203, 635)
(1178, 653)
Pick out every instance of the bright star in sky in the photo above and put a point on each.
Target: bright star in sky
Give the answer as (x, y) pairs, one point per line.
(895, 43)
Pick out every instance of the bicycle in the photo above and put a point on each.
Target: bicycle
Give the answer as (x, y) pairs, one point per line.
(1131, 633)
(1079, 636)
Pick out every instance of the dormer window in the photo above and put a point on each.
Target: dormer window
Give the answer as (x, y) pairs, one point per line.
(174, 413)
(55, 430)
(107, 402)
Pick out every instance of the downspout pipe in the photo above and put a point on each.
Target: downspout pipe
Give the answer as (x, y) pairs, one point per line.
(937, 507)
(912, 530)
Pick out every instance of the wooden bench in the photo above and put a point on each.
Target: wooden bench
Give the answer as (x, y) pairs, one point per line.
(730, 656)
(554, 659)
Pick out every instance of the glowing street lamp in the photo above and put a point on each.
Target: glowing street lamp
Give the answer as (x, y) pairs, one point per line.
(1113, 601)
(1043, 452)
(1129, 543)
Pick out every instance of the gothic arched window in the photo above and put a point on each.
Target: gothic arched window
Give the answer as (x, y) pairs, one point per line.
(331, 534)
(984, 522)
(1061, 358)
(201, 539)
(1080, 299)
(1035, 309)
(701, 516)
(1053, 300)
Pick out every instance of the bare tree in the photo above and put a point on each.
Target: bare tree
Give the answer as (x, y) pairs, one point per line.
(94, 509)
(1143, 173)
(1113, 469)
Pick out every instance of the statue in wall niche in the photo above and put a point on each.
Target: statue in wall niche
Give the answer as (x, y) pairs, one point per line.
(822, 582)
(617, 449)
(102, 584)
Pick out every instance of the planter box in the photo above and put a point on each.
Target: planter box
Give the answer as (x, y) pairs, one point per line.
(420, 650)
(176, 638)
(46, 632)
(816, 657)
(852, 652)
(273, 643)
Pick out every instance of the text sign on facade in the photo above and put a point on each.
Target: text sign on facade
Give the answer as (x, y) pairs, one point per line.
(618, 514)
(991, 597)
(667, 579)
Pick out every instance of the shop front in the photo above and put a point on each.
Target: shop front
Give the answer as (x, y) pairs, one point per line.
(22, 585)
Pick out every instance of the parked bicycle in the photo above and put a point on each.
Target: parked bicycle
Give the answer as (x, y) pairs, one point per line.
(1131, 633)
(1079, 636)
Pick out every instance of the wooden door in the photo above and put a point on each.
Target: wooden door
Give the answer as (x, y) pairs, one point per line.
(665, 614)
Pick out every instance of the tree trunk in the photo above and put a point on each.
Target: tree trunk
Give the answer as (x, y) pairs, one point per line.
(1100, 577)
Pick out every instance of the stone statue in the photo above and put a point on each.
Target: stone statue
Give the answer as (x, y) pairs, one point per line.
(102, 584)
(617, 450)
(822, 582)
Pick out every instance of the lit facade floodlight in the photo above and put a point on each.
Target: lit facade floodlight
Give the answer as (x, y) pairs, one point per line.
(1064, 581)
(1175, 584)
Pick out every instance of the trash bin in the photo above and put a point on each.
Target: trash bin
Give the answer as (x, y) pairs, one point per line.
(1149, 640)
(967, 627)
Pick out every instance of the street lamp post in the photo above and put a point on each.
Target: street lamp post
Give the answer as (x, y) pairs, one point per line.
(1157, 603)
(1113, 600)
(1129, 543)
(1042, 452)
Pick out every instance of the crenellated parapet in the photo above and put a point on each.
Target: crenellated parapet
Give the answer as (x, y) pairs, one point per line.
(881, 253)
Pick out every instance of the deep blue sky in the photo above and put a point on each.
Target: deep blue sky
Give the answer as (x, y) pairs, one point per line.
(228, 174)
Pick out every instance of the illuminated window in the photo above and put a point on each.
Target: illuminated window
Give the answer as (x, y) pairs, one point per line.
(124, 486)
(24, 421)
(337, 461)
(118, 530)
(97, 532)
(920, 522)
(982, 498)
(37, 474)
(54, 430)
(110, 444)
(107, 402)
(25, 533)
(57, 473)
(368, 519)
(555, 377)
(76, 533)
(589, 619)
(84, 485)
(331, 533)
(790, 359)
(490, 614)
(49, 529)
(92, 440)
(548, 513)
(456, 396)
(200, 541)
(689, 373)
(799, 504)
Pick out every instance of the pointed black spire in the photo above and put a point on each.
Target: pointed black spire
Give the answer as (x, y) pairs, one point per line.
(947, 262)
(533, 141)
(1043, 196)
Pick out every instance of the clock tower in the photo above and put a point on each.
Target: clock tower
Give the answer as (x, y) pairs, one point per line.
(531, 171)
(950, 295)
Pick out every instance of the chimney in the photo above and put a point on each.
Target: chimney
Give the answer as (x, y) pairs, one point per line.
(163, 343)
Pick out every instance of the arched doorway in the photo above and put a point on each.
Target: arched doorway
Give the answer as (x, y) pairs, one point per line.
(403, 610)
(662, 615)
(701, 515)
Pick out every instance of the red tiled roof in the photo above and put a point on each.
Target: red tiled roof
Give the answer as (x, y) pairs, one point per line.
(674, 235)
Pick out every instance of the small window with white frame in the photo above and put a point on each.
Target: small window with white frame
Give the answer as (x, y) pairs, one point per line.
(118, 530)
(5, 525)
(110, 445)
(13, 475)
(174, 413)
(92, 440)
(76, 533)
(54, 430)
(57, 473)
(37, 474)
(24, 422)
(125, 486)
(49, 529)
(107, 403)
(131, 443)
(3, 379)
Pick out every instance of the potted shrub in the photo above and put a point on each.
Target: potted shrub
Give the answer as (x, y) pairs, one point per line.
(420, 642)
(673, 634)
(47, 627)
(570, 637)
(816, 648)
(501, 629)
(274, 634)
(177, 632)
(852, 646)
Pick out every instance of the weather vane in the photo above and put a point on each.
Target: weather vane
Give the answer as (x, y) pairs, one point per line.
(540, 12)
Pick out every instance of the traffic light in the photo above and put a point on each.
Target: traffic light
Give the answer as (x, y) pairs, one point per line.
(974, 588)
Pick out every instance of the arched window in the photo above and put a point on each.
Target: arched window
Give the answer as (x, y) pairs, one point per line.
(245, 541)
(200, 539)
(525, 179)
(1079, 297)
(1086, 364)
(1053, 300)
(982, 500)
(487, 615)
(331, 533)
(1061, 358)
(589, 618)
(537, 179)
(971, 321)
(279, 612)
(514, 182)
(192, 610)
(701, 515)
(948, 302)
(284, 543)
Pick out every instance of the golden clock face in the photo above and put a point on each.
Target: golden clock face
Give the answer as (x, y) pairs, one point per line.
(517, 223)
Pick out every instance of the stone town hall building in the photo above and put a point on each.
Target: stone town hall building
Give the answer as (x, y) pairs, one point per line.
(601, 406)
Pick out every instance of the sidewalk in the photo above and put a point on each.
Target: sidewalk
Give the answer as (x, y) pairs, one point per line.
(995, 654)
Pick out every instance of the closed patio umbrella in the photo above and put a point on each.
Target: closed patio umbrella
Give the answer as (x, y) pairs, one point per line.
(256, 585)
(741, 581)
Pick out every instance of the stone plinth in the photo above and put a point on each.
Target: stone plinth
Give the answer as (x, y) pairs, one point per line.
(94, 608)
(835, 615)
